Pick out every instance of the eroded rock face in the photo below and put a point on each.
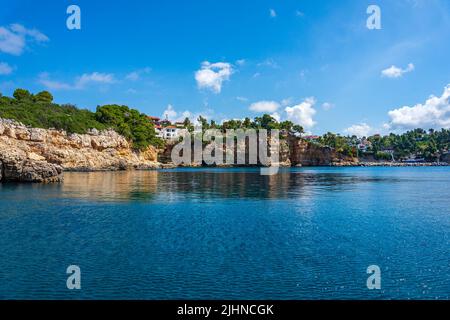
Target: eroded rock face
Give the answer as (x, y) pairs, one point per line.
(16, 166)
(307, 154)
(34, 154)
(293, 151)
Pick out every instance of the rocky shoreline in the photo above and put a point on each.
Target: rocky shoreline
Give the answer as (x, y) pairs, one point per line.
(403, 164)
(42, 155)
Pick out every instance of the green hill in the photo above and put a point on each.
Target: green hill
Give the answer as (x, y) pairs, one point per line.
(39, 111)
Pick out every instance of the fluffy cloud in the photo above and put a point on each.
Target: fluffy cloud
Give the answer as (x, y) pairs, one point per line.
(80, 82)
(212, 75)
(359, 130)
(434, 113)
(264, 106)
(171, 114)
(302, 113)
(13, 39)
(396, 72)
(5, 68)
(286, 102)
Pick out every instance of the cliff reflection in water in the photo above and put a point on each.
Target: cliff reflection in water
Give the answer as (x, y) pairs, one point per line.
(204, 184)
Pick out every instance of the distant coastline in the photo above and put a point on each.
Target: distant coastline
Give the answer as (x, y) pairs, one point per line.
(39, 140)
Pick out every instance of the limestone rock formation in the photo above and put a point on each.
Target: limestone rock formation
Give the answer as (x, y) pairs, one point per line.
(34, 154)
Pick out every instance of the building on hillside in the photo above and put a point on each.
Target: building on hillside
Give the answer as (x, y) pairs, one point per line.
(172, 132)
(155, 120)
(159, 131)
(364, 145)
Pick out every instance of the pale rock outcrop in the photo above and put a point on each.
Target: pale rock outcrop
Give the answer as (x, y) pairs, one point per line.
(34, 154)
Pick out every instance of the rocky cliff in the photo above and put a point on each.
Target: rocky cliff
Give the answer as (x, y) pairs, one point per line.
(40, 155)
(304, 153)
(293, 151)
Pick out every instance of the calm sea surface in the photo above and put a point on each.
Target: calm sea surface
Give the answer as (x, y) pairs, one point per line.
(307, 233)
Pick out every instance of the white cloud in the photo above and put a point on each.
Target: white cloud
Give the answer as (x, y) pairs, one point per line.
(133, 76)
(33, 33)
(299, 13)
(95, 77)
(272, 13)
(434, 113)
(396, 72)
(13, 39)
(264, 106)
(174, 116)
(136, 75)
(241, 62)
(169, 113)
(242, 99)
(5, 68)
(276, 116)
(212, 75)
(359, 130)
(327, 106)
(302, 113)
(53, 84)
(80, 82)
(268, 63)
(286, 102)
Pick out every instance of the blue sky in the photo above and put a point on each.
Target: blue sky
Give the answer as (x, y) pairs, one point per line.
(313, 62)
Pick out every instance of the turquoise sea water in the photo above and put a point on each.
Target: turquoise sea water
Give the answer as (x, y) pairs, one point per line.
(307, 233)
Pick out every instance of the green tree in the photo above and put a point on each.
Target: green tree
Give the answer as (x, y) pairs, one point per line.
(22, 95)
(188, 124)
(266, 122)
(43, 97)
(130, 123)
(247, 123)
(204, 123)
(298, 129)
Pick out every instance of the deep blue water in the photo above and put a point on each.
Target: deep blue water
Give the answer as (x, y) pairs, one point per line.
(229, 234)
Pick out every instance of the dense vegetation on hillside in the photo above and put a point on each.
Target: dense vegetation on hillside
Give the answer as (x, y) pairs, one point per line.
(39, 111)
(264, 122)
(429, 145)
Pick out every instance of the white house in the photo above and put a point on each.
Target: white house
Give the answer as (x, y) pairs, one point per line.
(170, 132)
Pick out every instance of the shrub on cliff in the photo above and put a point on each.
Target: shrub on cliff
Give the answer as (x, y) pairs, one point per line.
(44, 97)
(130, 123)
(38, 111)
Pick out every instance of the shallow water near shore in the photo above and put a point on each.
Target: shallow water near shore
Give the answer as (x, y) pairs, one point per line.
(305, 233)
